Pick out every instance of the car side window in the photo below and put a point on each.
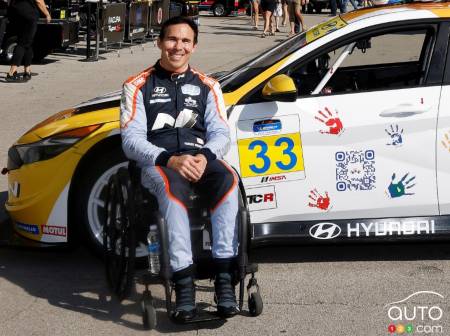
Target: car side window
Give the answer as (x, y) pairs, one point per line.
(372, 62)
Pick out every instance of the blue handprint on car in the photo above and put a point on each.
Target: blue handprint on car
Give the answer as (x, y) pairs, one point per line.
(399, 189)
(396, 134)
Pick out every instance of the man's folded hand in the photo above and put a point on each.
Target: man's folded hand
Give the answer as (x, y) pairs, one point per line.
(188, 166)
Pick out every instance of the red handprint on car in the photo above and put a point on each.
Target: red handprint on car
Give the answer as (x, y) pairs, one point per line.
(331, 120)
(319, 201)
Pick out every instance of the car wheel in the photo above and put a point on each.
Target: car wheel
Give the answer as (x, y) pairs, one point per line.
(9, 48)
(219, 9)
(90, 199)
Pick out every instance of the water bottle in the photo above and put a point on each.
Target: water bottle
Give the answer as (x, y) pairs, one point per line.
(153, 250)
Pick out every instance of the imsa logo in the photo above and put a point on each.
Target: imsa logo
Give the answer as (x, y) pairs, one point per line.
(276, 178)
(324, 231)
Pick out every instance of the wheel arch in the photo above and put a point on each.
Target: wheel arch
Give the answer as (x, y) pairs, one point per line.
(219, 2)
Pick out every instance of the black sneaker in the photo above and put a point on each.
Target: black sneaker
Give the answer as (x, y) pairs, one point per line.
(185, 309)
(26, 76)
(226, 298)
(14, 78)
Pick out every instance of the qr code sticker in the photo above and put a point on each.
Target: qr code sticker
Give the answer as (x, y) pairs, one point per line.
(355, 170)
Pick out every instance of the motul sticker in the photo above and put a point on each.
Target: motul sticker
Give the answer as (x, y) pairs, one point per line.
(263, 198)
(54, 230)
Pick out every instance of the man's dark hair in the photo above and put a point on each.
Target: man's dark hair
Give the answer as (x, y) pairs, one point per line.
(178, 20)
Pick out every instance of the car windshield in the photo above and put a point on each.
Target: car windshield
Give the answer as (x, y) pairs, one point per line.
(235, 78)
(230, 81)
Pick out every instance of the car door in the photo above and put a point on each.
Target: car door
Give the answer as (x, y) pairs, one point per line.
(361, 145)
(443, 142)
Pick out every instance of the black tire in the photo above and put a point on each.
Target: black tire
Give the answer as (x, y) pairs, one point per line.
(219, 9)
(118, 235)
(90, 196)
(255, 304)
(149, 319)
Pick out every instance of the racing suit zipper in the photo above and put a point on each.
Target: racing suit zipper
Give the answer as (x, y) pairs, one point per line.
(177, 112)
(176, 100)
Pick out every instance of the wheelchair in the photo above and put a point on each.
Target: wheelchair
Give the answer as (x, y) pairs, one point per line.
(131, 209)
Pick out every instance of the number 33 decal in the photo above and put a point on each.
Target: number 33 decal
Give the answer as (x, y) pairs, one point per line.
(270, 155)
(261, 148)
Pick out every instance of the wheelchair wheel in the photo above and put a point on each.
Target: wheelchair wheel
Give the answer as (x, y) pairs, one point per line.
(118, 234)
(255, 304)
(149, 319)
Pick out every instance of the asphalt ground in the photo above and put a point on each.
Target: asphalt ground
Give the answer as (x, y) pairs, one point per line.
(307, 290)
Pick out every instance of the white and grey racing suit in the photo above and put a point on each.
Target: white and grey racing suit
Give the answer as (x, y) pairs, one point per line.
(164, 114)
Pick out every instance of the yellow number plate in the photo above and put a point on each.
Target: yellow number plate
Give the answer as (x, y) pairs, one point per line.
(63, 14)
(276, 154)
(324, 28)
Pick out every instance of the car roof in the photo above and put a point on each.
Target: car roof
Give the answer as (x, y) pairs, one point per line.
(440, 9)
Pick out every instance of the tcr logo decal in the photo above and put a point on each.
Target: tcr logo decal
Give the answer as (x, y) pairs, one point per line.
(262, 198)
(331, 120)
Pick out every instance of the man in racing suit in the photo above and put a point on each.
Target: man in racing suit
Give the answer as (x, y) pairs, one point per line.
(173, 123)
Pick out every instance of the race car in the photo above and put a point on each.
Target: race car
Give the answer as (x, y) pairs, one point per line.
(341, 133)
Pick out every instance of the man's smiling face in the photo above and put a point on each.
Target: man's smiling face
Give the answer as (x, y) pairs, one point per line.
(177, 47)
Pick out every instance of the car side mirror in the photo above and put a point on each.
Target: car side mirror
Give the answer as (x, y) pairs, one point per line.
(280, 88)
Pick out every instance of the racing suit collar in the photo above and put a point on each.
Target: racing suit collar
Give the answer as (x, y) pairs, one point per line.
(173, 76)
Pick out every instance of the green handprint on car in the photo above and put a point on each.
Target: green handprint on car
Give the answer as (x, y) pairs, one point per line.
(400, 189)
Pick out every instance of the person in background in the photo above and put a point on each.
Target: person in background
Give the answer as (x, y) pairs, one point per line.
(353, 2)
(23, 15)
(3, 20)
(334, 4)
(285, 12)
(268, 7)
(295, 14)
(255, 13)
(277, 14)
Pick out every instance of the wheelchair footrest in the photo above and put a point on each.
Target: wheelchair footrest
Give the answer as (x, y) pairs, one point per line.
(202, 317)
(148, 278)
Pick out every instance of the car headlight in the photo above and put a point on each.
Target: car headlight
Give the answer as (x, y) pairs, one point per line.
(46, 148)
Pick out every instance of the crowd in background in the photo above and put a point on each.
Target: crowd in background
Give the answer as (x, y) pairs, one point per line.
(274, 11)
